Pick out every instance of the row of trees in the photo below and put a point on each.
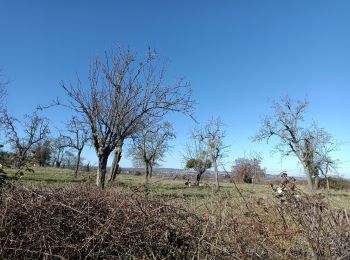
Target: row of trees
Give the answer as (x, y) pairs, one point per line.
(311, 145)
(30, 142)
(128, 97)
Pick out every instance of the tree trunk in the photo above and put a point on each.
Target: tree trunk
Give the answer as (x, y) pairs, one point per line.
(309, 181)
(146, 173)
(327, 181)
(77, 164)
(58, 164)
(198, 179)
(216, 175)
(317, 181)
(115, 163)
(150, 170)
(101, 172)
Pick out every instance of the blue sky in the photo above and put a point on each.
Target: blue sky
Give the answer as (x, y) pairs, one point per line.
(238, 55)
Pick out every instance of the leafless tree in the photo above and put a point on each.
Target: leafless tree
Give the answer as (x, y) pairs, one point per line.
(321, 146)
(35, 129)
(69, 160)
(125, 95)
(214, 136)
(59, 146)
(294, 138)
(78, 137)
(150, 145)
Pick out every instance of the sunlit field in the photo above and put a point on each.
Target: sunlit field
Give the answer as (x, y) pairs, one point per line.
(166, 187)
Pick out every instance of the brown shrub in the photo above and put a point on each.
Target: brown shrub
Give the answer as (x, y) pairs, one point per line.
(84, 222)
(247, 170)
(335, 183)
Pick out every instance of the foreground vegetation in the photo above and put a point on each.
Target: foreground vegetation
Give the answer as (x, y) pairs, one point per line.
(50, 214)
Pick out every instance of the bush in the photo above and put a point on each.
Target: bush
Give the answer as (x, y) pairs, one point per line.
(247, 170)
(335, 183)
(85, 222)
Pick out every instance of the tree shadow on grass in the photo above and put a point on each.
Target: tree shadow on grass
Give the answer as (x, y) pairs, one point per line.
(51, 180)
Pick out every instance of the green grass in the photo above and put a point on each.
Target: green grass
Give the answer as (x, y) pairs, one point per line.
(165, 187)
(48, 177)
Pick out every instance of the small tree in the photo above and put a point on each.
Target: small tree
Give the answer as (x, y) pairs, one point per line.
(214, 136)
(42, 153)
(35, 129)
(294, 138)
(200, 165)
(321, 146)
(197, 156)
(77, 139)
(247, 170)
(150, 146)
(59, 145)
(69, 160)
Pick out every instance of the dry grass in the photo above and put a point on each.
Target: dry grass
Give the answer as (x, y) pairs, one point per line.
(81, 222)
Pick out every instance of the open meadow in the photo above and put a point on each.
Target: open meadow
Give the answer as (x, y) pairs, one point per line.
(170, 187)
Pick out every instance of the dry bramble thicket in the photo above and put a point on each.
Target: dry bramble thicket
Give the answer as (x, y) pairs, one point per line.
(83, 222)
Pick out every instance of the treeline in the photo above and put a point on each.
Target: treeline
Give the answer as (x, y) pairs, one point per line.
(126, 99)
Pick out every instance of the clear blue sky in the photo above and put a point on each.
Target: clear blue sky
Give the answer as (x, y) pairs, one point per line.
(238, 55)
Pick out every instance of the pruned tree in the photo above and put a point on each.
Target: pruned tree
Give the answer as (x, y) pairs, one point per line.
(200, 165)
(150, 145)
(197, 156)
(294, 138)
(35, 129)
(125, 95)
(78, 137)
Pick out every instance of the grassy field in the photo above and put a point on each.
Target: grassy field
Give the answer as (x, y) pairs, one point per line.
(166, 187)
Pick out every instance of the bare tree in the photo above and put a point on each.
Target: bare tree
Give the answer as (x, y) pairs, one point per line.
(35, 129)
(126, 95)
(294, 138)
(77, 138)
(321, 146)
(214, 136)
(150, 145)
(69, 160)
(59, 146)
